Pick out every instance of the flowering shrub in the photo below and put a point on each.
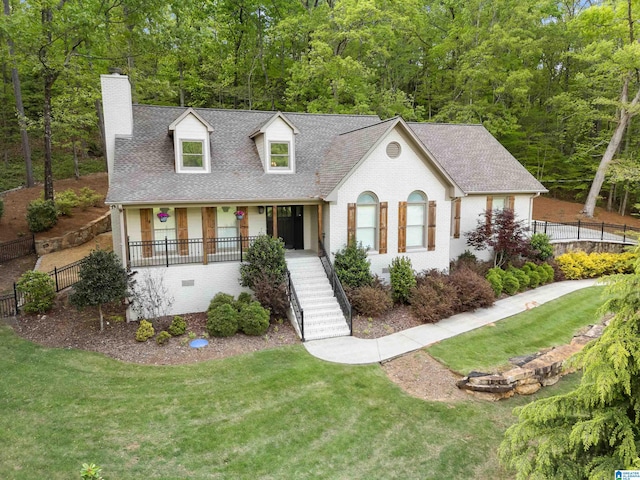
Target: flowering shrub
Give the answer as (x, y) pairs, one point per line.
(576, 265)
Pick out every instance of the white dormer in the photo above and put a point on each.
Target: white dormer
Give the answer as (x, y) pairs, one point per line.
(275, 142)
(191, 143)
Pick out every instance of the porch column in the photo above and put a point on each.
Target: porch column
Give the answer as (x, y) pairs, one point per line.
(274, 221)
(320, 224)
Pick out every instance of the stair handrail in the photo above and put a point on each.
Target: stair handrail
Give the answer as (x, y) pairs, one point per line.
(336, 286)
(298, 311)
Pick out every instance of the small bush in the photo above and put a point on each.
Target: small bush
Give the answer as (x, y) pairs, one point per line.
(549, 271)
(473, 291)
(90, 472)
(41, 215)
(88, 198)
(540, 246)
(178, 326)
(222, 299)
(265, 256)
(163, 337)
(402, 279)
(510, 284)
(145, 331)
(469, 261)
(222, 321)
(253, 319)
(244, 299)
(39, 291)
(65, 202)
(495, 280)
(576, 265)
(271, 295)
(352, 266)
(521, 275)
(433, 300)
(370, 301)
(534, 278)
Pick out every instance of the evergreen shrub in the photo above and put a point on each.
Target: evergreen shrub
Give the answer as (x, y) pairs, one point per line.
(163, 337)
(402, 278)
(41, 215)
(222, 321)
(145, 331)
(253, 319)
(352, 266)
(38, 290)
(178, 326)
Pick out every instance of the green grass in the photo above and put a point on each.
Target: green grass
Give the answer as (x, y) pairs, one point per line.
(489, 348)
(274, 414)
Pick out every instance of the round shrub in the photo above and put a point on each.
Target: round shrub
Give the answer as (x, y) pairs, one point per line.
(65, 202)
(38, 290)
(352, 266)
(41, 215)
(253, 319)
(433, 300)
(510, 284)
(244, 299)
(163, 337)
(145, 331)
(472, 289)
(402, 279)
(265, 256)
(178, 326)
(521, 275)
(221, 299)
(534, 279)
(370, 301)
(222, 321)
(540, 246)
(550, 272)
(496, 283)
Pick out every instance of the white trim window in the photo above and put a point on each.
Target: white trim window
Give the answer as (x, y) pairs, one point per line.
(280, 155)
(367, 220)
(192, 155)
(416, 220)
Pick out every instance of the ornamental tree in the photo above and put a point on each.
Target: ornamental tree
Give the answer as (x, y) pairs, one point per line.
(103, 279)
(500, 231)
(595, 429)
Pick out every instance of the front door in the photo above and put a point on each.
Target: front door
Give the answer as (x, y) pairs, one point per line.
(289, 225)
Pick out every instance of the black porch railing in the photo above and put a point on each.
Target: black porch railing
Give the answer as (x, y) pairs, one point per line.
(17, 248)
(338, 291)
(295, 305)
(602, 232)
(151, 253)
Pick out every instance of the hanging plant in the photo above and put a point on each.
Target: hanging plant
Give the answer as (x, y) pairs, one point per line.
(163, 216)
(239, 214)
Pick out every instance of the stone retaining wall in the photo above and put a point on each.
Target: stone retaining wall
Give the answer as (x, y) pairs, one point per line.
(530, 373)
(587, 246)
(78, 237)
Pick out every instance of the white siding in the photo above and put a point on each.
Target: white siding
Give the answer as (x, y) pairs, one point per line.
(190, 128)
(117, 111)
(279, 131)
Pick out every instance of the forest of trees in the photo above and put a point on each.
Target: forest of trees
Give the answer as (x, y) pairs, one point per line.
(556, 81)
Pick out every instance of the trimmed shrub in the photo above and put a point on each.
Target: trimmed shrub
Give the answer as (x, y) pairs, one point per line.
(549, 271)
(145, 331)
(244, 299)
(402, 279)
(253, 319)
(271, 295)
(352, 266)
(39, 291)
(65, 202)
(265, 256)
(163, 337)
(541, 249)
(576, 265)
(433, 300)
(41, 215)
(178, 326)
(495, 280)
(521, 275)
(510, 284)
(222, 321)
(473, 291)
(534, 278)
(88, 198)
(221, 299)
(370, 301)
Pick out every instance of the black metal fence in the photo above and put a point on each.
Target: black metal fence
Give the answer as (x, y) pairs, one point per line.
(17, 248)
(150, 253)
(602, 232)
(295, 305)
(63, 277)
(338, 291)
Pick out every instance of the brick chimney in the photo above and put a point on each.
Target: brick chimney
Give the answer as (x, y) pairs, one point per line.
(117, 111)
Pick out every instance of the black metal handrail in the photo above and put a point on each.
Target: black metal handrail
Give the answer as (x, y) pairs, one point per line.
(603, 232)
(298, 311)
(336, 286)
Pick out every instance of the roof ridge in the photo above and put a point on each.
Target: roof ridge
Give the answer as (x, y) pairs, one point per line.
(369, 126)
(448, 124)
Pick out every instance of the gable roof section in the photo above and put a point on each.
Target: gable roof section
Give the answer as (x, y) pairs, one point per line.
(476, 159)
(279, 115)
(190, 111)
(349, 149)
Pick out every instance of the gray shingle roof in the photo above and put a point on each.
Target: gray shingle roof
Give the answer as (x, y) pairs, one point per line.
(327, 147)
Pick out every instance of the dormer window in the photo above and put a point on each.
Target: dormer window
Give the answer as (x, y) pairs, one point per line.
(192, 154)
(280, 155)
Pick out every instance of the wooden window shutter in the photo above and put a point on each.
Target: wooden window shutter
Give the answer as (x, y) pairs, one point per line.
(382, 243)
(402, 227)
(511, 200)
(244, 226)
(182, 230)
(351, 223)
(489, 209)
(431, 234)
(457, 203)
(146, 232)
(209, 220)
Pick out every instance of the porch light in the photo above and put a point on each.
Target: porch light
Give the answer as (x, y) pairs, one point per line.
(225, 209)
(261, 210)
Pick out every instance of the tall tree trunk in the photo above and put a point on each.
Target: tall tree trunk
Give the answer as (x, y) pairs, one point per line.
(625, 199)
(626, 112)
(612, 193)
(76, 167)
(49, 79)
(17, 93)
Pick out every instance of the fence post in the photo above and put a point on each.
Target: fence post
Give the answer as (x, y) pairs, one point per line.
(15, 297)
(624, 234)
(166, 251)
(545, 226)
(33, 243)
(241, 252)
(535, 226)
(578, 229)
(55, 274)
(602, 232)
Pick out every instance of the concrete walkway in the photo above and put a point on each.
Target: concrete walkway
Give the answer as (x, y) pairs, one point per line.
(356, 351)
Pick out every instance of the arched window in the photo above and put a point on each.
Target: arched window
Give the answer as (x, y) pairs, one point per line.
(416, 219)
(366, 220)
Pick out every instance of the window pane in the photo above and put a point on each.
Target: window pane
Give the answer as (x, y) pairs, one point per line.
(226, 219)
(498, 203)
(415, 214)
(366, 236)
(366, 216)
(416, 197)
(278, 161)
(279, 149)
(415, 236)
(192, 154)
(192, 147)
(367, 198)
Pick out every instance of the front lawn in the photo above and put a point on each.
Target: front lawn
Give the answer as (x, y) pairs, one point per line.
(489, 348)
(273, 414)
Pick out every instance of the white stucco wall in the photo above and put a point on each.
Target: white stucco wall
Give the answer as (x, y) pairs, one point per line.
(393, 180)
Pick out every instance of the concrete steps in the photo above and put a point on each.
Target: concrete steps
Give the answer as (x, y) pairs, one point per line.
(323, 316)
